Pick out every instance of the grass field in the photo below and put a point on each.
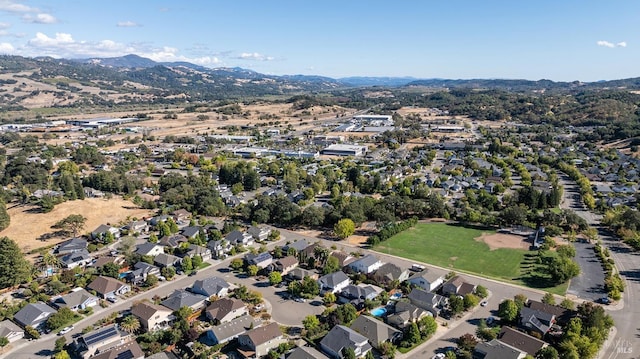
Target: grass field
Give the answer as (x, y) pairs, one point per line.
(456, 248)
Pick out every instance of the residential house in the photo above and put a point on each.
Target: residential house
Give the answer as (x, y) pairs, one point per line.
(495, 349)
(163, 355)
(457, 286)
(196, 250)
(427, 300)
(376, 331)
(128, 350)
(101, 261)
(343, 258)
(191, 232)
(219, 249)
(340, 337)
(427, 279)
(562, 315)
(166, 260)
(262, 260)
(181, 298)
(107, 287)
(71, 246)
(299, 274)
(333, 282)
(225, 309)
(141, 271)
(77, 299)
(212, 286)
(536, 320)
(100, 340)
(76, 259)
(298, 245)
(361, 291)
(257, 342)
(149, 249)
(241, 238)
(137, 227)
(389, 273)
(152, 317)
(92, 193)
(155, 221)
(405, 314)
(181, 215)
(260, 233)
(173, 240)
(306, 353)
(367, 264)
(225, 332)
(285, 265)
(11, 331)
(521, 341)
(102, 231)
(34, 314)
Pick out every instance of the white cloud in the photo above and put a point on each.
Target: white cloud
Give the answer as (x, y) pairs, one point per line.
(170, 54)
(622, 44)
(4, 25)
(6, 48)
(11, 6)
(127, 24)
(254, 56)
(605, 43)
(40, 19)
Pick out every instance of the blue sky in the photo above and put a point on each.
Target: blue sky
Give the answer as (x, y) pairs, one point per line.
(560, 40)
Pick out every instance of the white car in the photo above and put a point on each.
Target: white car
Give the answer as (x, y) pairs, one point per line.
(300, 300)
(65, 330)
(484, 303)
(439, 356)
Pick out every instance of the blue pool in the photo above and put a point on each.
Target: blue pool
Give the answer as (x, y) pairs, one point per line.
(396, 295)
(378, 312)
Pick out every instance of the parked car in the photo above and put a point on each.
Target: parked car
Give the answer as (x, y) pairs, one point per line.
(112, 299)
(300, 300)
(193, 272)
(65, 330)
(604, 300)
(484, 303)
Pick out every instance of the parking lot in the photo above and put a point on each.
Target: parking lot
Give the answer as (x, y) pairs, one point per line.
(589, 285)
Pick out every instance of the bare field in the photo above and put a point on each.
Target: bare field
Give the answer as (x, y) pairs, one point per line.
(501, 240)
(27, 226)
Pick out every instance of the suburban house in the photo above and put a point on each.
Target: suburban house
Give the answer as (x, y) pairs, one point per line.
(257, 342)
(536, 320)
(100, 341)
(260, 233)
(137, 227)
(262, 260)
(191, 231)
(241, 238)
(457, 286)
(149, 249)
(427, 279)
(34, 314)
(390, 272)
(361, 291)
(225, 332)
(77, 299)
(163, 355)
(225, 309)
(495, 349)
(306, 353)
(155, 221)
(427, 300)
(107, 287)
(72, 245)
(181, 298)
(101, 261)
(102, 231)
(298, 245)
(562, 315)
(367, 264)
(166, 260)
(141, 271)
(405, 314)
(181, 215)
(211, 286)
(219, 249)
(173, 240)
(76, 259)
(11, 331)
(285, 265)
(299, 274)
(343, 258)
(376, 331)
(130, 350)
(521, 341)
(196, 250)
(340, 337)
(333, 282)
(152, 317)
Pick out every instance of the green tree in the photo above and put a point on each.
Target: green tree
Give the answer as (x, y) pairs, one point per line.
(481, 291)
(236, 264)
(470, 301)
(63, 354)
(63, 317)
(548, 298)
(348, 353)
(332, 265)
(4, 342)
(187, 264)
(387, 349)
(5, 219)
(329, 298)
(413, 334)
(344, 228)
(456, 304)
(547, 352)
(151, 280)
(73, 223)
(310, 322)
(197, 261)
(275, 278)
(14, 268)
(428, 326)
(60, 343)
(110, 270)
(508, 310)
(130, 324)
(252, 270)
(32, 332)
(568, 304)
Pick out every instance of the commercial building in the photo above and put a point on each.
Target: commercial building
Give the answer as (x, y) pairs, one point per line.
(345, 150)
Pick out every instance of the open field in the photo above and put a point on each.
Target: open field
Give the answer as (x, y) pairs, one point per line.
(464, 249)
(27, 225)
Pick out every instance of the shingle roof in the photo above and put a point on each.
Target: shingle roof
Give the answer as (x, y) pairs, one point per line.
(333, 279)
(30, 313)
(166, 259)
(181, 298)
(340, 337)
(7, 327)
(146, 310)
(221, 307)
(74, 298)
(129, 350)
(209, 286)
(261, 335)
(376, 331)
(520, 340)
(366, 261)
(390, 271)
(497, 350)
(146, 248)
(306, 353)
(104, 285)
(233, 328)
(73, 244)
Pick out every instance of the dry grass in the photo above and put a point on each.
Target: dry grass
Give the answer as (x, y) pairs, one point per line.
(27, 225)
(501, 240)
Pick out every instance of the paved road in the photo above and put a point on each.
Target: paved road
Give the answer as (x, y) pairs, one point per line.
(589, 285)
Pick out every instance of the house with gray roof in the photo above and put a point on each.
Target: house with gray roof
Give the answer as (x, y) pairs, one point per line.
(137, 226)
(128, 350)
(495, 349)
(457, 286)
(225, 332)
(100, 340)
(306, 353)
(196, 250)
(149, 249)
(333, 282)
(108, 287)
(299, 274)
(211, 286)
(390, 272)
(521, 341)
(259, 233)
(102, 231)
(11, 331)
(76, 259)
(285, 265)
(163, 355)
(257, 342)
(298, 245)
(191, 231)
(428, 280)
(34, 314)
(427, 300)
(141, 271)
(72, 245)
(241, 238)
(376, 331)
(166, 260)
(225, 309)
(173, 240)
(367, 264)
(340, 337)
(262, 260)
(152, 317)
(181, 298)
(77, 299)
(406, 313)
(536, 320)
(361, 291)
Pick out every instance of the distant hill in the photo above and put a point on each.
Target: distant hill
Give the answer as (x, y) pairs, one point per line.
(359, 81)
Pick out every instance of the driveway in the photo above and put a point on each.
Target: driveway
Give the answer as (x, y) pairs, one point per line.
(589, 284)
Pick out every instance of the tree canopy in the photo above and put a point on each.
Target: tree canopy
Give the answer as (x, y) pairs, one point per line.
(14, 268)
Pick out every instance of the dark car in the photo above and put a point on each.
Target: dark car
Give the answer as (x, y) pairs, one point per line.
(193, 273)
(604, 300)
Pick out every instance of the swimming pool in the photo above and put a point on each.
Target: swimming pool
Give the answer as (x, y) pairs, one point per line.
(378, 312)
(396, 295)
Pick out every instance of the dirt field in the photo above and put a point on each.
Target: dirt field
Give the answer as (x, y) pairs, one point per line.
(500, 240)
(27, 227)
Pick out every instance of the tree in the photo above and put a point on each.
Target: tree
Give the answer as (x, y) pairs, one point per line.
(196, 261)
(508, 310)
(130, 324)
(60, 319)
(60, 343)
(187, 264)
(547, 352)
(63, 354)
(568, 304)
(456, 304)
(4, 342)
(329, 298)
(310, 322)
(275, 278)
(520, 300)
(344, 228)
(413, 334)
(151, 280)
(252, 270)
(387, 349)
(467, 342)
(332, 265)
(470, 301)
(14, 268)
(428, 326)
(5, 219)
(32, 332)
(348, 353)
(548, 298)
(73, 223)
(236, 264)
(481, 291)
(110, 270)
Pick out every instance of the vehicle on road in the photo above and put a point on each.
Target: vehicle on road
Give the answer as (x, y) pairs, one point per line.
(439, 356)
(300, 300)
(484, 303)
(112, 299)
(604, 300)
(65, 330)
(193, 272)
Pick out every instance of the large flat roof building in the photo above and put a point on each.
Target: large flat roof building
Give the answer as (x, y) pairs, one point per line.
(345, 150)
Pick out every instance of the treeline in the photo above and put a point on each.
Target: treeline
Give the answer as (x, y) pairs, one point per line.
(193, 193)
(625, 222)
(391, 230)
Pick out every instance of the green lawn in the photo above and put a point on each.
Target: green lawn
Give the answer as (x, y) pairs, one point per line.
(455, 247)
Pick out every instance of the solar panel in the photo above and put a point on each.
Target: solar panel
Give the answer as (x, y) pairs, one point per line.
(101, 335)
(127, 354)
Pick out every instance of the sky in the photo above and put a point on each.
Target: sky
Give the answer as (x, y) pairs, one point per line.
(561, 40)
